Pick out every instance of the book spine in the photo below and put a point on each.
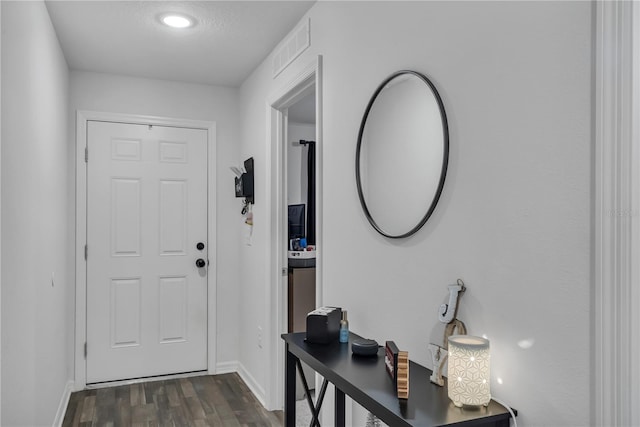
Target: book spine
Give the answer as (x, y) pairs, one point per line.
(391, 361)
(402, 375)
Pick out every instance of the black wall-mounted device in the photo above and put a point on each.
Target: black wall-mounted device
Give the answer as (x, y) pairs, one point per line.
(244, 183)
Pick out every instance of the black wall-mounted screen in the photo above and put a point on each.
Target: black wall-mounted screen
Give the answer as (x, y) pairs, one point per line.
(296, 221)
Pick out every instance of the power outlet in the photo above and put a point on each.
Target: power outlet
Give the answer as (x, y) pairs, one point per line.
(259, 336)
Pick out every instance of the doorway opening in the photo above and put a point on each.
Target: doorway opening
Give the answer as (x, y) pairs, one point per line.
(207, 130)
(301, 219)
(286, 128)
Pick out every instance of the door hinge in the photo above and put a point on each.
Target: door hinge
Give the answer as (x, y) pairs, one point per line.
(86, 251)
(85, 350)
(284, 271)
(86, 154)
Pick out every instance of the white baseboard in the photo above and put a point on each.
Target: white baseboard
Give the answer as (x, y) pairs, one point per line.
(64, 402)
(226, 367)
(253, 385)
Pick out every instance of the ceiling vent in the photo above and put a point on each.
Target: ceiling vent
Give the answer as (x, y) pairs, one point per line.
(291, 47)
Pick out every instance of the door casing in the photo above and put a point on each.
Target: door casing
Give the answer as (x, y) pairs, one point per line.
(82, 117)
(307, 80)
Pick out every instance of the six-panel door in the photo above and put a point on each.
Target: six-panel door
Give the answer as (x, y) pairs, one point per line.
(146, 214)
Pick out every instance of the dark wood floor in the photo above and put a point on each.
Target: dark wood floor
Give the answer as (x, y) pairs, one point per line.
(211, 400)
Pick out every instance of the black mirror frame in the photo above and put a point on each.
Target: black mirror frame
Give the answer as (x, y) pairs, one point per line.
(445, 157)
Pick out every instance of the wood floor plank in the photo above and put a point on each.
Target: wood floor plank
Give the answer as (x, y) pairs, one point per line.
(187, 387)
(136, 393)
(153, 390)
(179, 417)
(106, 396)
(78, 412)
(230, 422)
(88, 409)
(105, 415)
(172, 395)
(123, 412)
(207, 397)
(71, 406)
(197, 413)
(214, 419)
(144, 413)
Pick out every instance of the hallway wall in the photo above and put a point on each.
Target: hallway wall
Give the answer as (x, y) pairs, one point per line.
(122, 94)
(35, 270)
(514, 219)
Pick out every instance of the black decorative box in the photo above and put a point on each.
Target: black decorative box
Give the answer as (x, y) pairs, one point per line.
(323, 325)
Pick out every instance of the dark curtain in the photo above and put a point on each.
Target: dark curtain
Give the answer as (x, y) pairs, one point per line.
(311, 194)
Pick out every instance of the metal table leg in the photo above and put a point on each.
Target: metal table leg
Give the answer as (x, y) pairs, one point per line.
(339, 412)
(290, 388)
(292, 362)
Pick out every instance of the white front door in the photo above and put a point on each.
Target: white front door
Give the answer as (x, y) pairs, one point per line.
(146, 232)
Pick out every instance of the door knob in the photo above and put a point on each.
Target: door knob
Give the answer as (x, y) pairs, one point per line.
(200, 263)
(200, 246)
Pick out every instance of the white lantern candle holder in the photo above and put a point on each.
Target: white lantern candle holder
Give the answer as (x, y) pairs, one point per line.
(469, 370)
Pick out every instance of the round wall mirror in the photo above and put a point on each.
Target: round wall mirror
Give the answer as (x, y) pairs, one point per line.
(402, 154)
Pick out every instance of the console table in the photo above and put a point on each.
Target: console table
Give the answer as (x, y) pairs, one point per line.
(366, 381)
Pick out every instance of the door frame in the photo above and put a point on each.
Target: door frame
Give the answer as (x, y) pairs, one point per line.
(617, 210)
(309, 78)
(82, 117)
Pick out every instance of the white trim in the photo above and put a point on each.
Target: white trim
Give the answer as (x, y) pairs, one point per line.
(305, 82)
(227, 367)
(635, 249)
(0, 219)
(617, 237)
(212, 250)
(81, 227)
(64, 402)
(253, 385)
(119, 383)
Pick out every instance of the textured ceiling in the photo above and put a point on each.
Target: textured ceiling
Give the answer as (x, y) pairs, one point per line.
(230, 38)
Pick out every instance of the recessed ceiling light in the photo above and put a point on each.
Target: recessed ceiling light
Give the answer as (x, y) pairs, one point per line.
(177, 21)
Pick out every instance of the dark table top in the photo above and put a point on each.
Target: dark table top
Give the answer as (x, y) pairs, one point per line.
(366, 381)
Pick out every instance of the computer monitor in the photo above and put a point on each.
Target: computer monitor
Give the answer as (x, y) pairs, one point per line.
(296, 221)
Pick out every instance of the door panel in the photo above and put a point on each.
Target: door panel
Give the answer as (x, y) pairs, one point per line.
(125, 312)
(173, 309)
(125, 217)
(173, 217)
(146, 211)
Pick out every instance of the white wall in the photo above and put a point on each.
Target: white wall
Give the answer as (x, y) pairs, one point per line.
(514, 220)
(121, 94)
(35, 275)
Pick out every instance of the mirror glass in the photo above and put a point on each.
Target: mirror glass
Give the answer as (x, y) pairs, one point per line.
(402, 154)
